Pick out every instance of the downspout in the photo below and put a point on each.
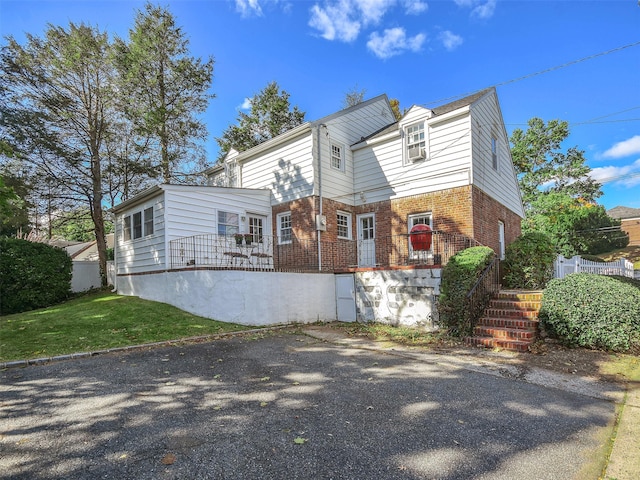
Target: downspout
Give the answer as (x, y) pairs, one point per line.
(115, 254)
(318, 232)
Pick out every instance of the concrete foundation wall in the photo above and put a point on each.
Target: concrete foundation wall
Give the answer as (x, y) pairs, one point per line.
(398, 297)
(248, 298)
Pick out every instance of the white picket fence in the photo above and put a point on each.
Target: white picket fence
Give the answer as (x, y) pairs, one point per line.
(564, 266)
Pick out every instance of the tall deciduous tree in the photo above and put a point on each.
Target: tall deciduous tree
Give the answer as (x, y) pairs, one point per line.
(166, 89)
(58, 98)
(543, 167)
(270, 115)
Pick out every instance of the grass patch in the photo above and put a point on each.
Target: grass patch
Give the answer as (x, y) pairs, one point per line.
(98, 321)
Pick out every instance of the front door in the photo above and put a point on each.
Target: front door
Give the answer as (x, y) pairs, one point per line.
(366, 240)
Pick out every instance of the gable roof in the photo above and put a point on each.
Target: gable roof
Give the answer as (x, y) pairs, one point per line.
(462, 102)
(624, 212)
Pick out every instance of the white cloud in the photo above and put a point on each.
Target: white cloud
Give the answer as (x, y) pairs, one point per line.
(450, 40)
(625, 175)
(415, 7)
(624, 148)
(249, 7)
(334, 21)
(479, 8)
(246, 105)
(394, 41)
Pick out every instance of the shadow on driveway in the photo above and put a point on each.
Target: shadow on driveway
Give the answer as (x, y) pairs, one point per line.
(287, 407)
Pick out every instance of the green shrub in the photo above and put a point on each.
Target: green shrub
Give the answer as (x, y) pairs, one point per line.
(528, 261)
(458, 277)
(594, 311)
(32, 275)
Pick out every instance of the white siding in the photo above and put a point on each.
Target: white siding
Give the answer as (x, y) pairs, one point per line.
(183, 211)
(146, 253)
(286, 170)
(502, 185)
(193, 210)
(347, 128)
(381, 173)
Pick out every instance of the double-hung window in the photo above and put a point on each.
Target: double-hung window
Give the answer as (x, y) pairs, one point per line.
(418, 219)
(126, 228)
(285, 230)
(494, 152)
(337, 157)
(343, 222)
(137, 225)
(415, 142)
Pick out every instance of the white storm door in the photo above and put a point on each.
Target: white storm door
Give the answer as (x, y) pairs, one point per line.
(366, 240)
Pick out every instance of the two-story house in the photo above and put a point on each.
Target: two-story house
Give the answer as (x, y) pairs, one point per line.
(335, 194)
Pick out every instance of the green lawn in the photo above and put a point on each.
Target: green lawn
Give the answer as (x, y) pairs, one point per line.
(96, 322)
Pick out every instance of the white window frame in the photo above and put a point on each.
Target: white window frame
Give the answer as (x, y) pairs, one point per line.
(494, 152)
(501, 240)
(147, 221)
(410, 141)
(228, 226)
(233, 174)
(126, 228)
(411, 222)
(285, 233)
(337, 161)
(348, 220)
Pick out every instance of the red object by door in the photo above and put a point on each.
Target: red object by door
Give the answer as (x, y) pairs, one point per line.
(420, 236)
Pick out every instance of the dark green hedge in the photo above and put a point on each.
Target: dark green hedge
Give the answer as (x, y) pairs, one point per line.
(528, 262)
(32, 275)
(594, 311)
(458, 277)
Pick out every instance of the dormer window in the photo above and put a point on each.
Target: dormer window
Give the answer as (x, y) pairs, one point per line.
(415, 142)
(232, 174)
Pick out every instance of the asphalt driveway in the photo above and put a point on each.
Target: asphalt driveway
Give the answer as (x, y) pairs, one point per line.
(288, 407)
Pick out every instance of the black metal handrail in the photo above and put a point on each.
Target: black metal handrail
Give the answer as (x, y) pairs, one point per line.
(477, 299)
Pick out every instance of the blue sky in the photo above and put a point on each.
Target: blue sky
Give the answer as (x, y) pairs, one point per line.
(418, 51)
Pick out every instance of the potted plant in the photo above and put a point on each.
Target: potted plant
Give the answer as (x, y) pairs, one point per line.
(238, 237)
(248, 238)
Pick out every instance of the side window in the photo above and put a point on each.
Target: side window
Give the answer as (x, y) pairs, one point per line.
(228, 223)
(148, 221)
(415, 143)
(494, 152)
(126, 228)
(232, 174)
(337, 157)
(343, 221)
(418, 219)
(285, 231)
(137, 225)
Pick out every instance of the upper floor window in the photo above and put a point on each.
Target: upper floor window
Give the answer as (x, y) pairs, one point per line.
(343, 221)
(233, 179)
(337, 157)
(228, 223)
(285, 230)
(494, 152)
(415, 142)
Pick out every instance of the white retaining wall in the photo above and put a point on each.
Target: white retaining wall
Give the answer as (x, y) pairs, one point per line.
(399, 297)
(248, 298)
